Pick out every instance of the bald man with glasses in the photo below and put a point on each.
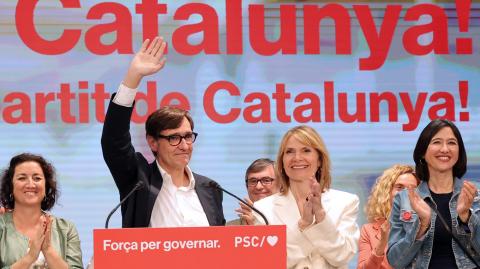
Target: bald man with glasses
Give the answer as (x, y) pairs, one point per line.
(260, 182)
(173, 195)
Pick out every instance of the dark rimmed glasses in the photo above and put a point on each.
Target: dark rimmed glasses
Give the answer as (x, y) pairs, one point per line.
(176, 139)
(265, 181)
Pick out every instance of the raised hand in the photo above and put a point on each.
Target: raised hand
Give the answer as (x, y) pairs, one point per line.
(148, 60)
(422, 209)
(465, 200)
(245, 212)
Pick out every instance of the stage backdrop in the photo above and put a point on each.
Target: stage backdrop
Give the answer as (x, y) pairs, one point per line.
(368, 76)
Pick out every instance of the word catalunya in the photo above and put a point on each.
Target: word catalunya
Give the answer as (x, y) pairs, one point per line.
(224, 103)
(293, 20)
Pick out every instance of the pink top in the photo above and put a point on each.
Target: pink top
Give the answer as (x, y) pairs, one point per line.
(369, 238)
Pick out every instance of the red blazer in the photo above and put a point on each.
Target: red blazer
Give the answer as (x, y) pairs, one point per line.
(369, 238)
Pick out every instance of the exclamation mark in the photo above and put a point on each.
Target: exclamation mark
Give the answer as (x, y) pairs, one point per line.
(463, 93)
(464, 44)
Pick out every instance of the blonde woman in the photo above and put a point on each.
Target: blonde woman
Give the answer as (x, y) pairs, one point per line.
(321, 222)
(374, 235)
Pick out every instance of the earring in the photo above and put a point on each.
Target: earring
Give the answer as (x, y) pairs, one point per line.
(422, 161)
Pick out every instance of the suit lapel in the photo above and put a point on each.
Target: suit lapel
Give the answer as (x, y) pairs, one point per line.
(155, 184)
(285, 207)
(326, 196)
(206, 199)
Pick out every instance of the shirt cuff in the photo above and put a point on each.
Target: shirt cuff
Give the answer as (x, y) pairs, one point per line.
(464, 225)
(125, 96)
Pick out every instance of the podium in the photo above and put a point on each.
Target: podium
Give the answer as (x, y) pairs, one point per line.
(191, 247)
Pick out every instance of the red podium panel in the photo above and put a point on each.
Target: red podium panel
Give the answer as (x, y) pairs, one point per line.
(191, 247)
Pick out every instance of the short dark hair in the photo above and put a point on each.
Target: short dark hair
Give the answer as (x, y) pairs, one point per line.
(6, 187)
(424, 139)
(257, 166)
(165, 118)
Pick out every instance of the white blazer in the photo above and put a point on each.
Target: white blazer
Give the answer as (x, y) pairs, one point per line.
(331, 243)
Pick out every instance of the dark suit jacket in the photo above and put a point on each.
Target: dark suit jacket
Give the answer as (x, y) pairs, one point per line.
(128, 167)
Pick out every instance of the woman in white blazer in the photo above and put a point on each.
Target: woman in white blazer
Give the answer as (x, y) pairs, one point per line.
(321, 222)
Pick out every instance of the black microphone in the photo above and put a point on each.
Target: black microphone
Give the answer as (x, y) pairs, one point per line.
(137, 186)
(213, 184)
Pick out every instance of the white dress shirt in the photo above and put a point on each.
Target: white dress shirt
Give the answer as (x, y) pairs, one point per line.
(177, 206)
(125, 96)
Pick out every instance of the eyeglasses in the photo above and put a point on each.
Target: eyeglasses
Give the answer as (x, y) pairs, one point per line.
(176, 139)
(265, 181)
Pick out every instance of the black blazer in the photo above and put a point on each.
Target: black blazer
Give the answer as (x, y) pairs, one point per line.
(128, 167)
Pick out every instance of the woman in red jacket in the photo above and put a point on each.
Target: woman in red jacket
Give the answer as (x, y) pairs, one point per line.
(374, 234)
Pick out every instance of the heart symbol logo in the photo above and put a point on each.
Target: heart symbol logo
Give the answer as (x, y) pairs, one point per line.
(272, 240)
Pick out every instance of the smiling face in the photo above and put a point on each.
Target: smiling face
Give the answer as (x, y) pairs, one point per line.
(442, 152)
(28, 184)
(173, 157)
(300, 161)
(260, 191)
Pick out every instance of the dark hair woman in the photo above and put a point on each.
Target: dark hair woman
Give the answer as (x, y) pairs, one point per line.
(29, 236)
(418, 236)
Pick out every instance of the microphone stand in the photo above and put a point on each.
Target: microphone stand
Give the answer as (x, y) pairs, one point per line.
(138, 186)
(214, 184)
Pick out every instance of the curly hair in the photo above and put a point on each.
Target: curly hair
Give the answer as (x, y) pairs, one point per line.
(309, 137)
(379, 202)
(6, 185)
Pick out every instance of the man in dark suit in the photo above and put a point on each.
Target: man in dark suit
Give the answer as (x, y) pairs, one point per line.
(173, 195)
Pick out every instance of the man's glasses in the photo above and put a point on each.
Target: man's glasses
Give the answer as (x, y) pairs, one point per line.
(265, 181)
(175, 140)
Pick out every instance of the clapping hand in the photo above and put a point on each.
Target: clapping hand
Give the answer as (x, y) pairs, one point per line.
(245, 212)
(48, 234)
(35, 243)
(307, 215)
(465, 200)
(316, 197)
(312, 208)
(384, 231)
(422, 209)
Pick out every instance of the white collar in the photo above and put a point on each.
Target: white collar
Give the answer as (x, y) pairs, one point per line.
(168, 178)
